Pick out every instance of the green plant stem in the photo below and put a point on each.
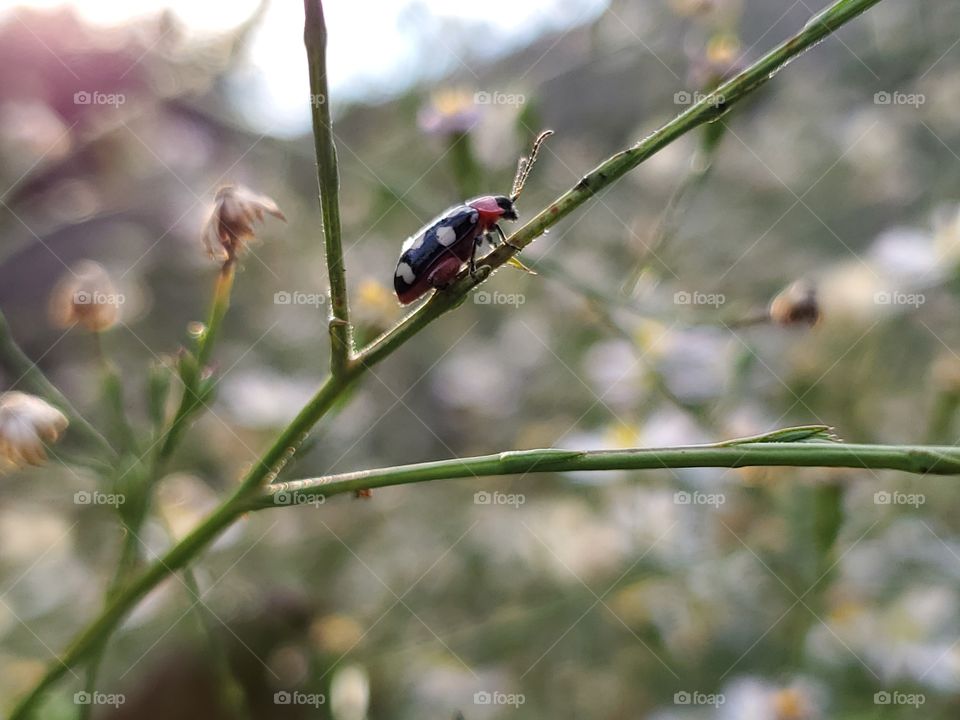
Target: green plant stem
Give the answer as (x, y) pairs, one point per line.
(266, 470)
(328, 178)
(231, 693)
(918, 459)
(191, 398)
(23, 370)
(113, 398)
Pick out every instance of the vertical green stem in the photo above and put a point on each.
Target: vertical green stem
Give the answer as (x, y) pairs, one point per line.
(328, 178)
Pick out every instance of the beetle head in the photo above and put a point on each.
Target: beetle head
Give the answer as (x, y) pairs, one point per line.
(508, 209)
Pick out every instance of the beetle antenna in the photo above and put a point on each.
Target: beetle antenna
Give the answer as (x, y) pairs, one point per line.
(526, 164)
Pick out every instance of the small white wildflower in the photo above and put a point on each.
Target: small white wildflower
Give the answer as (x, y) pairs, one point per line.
(26, 423)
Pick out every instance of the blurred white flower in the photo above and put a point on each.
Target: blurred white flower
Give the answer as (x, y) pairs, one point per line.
(350, 693)
(910, 638)
(906, 255)
(262, 398)
(696, 362)
(757, 699)
(26, 423)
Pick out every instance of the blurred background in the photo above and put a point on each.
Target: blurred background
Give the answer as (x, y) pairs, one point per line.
(760, 594)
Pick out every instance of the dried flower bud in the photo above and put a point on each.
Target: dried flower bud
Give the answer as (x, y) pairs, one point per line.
(231, 221)
(796, 304)
(86, 296)
(26, 423)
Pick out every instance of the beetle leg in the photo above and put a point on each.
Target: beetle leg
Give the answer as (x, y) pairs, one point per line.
(472, 263)
(503, 238)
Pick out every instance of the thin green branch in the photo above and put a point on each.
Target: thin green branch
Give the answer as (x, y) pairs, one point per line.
(191, 398)
(345, 375)
(917, 459)
(25, 371)
(328, 177)
(113, 398)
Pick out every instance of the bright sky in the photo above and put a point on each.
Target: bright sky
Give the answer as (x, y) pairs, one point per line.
(376, 47)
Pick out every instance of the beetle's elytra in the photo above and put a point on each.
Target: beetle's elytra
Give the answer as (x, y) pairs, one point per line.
(432, 256)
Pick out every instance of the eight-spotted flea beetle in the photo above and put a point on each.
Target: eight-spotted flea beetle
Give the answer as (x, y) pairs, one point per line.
(433, 255)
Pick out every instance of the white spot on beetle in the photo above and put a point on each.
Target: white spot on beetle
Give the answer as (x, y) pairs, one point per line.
(405, 273)
(446, 235)
(474, 215)
(413, 242)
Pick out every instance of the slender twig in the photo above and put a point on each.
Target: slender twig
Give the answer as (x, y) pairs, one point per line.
(266, 470)
(113, 398)
(25, 371)
(191, 398)
(230, 690)
(917, 459)
(328, 177)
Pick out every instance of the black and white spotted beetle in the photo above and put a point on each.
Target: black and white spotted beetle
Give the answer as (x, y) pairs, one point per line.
(432, 256)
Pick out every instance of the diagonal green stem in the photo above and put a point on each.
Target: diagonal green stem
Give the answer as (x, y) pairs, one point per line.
(266, 470)
(328, 177)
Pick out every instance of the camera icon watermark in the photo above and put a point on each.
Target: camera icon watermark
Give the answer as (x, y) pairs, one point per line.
(95, 297)
(682, 497)
(286, 697)
(483, 497)
(685, 97)
(484, 297)
(95, 497)
(885, 97)
(683, 297)
(484, 697)
(484, 97)
(285, 297)
(893, 297)
(296, 497)
(685, 697)
(899, 698)
(884, 497)
(94, 97)
(114, 700)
